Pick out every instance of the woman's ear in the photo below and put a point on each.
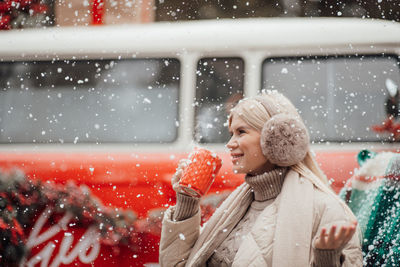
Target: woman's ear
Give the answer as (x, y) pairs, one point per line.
(284, 140)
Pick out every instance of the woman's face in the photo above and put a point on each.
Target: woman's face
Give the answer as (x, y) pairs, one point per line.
(245, 148)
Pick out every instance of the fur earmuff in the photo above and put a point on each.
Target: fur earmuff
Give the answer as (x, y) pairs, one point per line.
(284, 140)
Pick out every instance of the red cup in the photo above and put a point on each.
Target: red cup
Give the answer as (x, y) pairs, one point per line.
(201, 172)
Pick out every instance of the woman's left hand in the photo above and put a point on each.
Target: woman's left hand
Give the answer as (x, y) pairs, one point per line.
(333, 240)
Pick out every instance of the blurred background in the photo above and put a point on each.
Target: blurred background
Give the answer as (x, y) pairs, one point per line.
(49, 13)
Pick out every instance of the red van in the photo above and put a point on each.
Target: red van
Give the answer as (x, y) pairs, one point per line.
(97, 119)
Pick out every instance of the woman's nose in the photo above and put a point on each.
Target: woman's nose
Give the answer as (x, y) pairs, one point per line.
(232, 143)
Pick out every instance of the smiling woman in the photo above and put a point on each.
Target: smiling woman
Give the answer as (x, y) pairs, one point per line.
(254, 226)
(245, 150)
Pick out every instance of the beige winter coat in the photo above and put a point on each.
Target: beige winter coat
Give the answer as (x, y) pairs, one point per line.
(302, 211)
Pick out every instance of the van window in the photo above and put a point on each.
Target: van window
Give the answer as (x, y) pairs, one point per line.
(89, 101)
(219, 86)
(339, 98)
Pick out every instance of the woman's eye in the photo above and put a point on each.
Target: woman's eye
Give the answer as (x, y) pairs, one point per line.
(241, 132)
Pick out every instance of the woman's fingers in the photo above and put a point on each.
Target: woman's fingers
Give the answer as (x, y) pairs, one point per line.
(322, 238)
(182, 165)
(350, 232)
(331, 235)
(175, 180)
(335, 239)
(176, 177)
(175, 187)
(342, 235)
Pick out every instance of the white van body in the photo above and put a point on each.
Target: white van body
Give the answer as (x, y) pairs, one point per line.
(253, 40)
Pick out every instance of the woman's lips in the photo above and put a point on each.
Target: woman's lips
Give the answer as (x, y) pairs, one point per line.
(235, 157)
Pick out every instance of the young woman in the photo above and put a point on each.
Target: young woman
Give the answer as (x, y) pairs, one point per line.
(284, 214)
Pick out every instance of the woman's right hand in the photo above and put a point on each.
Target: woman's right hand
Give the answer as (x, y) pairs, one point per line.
(334, 240)
(182, 165)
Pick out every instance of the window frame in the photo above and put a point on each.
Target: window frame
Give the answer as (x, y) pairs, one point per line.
(217, 56)
(178, 107)
(329, 57)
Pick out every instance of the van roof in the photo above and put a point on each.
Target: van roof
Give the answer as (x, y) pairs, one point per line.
(205, 35)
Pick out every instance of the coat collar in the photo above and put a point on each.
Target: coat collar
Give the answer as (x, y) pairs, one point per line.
(293, 232)
(221, 224)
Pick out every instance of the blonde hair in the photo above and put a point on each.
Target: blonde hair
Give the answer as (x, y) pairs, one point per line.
(255, 115)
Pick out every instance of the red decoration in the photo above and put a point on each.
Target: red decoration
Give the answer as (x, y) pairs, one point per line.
(97, 12)
(39, 8)
(5, 6)
(389, 126)
(5, 22)
(11, 10)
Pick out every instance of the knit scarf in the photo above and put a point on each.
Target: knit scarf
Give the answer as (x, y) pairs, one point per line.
(295, 209)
